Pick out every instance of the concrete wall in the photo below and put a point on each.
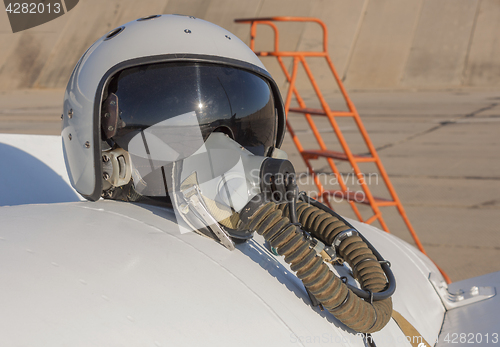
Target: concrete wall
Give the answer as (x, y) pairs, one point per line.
(375, 44)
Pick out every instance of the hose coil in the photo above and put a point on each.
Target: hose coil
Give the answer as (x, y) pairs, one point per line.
(273, 224)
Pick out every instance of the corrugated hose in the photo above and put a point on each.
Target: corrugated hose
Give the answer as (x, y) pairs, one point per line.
(364, 310)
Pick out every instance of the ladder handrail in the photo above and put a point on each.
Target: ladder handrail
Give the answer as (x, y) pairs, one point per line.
(269, 21)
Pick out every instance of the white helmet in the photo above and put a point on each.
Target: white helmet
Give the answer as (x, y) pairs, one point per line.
(147, 71)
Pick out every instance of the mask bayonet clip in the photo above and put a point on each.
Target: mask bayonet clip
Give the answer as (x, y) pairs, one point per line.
(195, 201)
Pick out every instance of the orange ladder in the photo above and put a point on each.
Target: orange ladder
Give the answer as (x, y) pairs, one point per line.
(299, 57)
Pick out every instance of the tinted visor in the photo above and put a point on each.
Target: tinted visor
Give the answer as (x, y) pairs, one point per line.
(218, 98)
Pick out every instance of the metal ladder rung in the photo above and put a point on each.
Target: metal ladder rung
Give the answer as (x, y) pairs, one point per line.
(314, 154)
(385, 202)
(320, 112)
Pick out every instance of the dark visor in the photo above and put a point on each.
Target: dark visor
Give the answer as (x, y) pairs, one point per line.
(222, 98)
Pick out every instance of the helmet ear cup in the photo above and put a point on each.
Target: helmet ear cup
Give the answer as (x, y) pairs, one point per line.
(117, 168)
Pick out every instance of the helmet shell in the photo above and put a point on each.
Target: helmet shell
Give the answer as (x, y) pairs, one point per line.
(158, 39)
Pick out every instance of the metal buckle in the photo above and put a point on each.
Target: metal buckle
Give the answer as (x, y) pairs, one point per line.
(343, 235)
(327, 253)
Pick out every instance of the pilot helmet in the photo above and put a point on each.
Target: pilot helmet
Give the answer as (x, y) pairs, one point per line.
(151, 92)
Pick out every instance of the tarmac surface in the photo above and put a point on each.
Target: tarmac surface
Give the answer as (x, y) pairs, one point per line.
(440, 149)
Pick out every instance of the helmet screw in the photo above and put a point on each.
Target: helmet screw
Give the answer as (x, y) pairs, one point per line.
(70, 113)
(106, 115)
(105, 158)
(228, 37)
(187, 31)
(105, 176)
(112, 103)
(87, 144)
(70, 137)
(110, 128)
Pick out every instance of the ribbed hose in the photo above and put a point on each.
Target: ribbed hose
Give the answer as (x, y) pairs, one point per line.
(288, 240)
(353, 250)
